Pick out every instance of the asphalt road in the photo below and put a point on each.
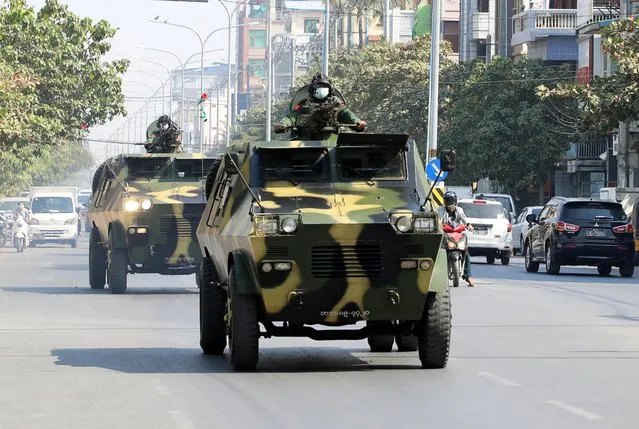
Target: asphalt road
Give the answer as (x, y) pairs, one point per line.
(528, 351)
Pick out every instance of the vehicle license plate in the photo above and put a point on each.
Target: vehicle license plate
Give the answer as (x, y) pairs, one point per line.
(481, 231)
(592, 232)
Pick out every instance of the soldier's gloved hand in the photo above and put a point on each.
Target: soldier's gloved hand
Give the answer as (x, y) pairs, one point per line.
(279, 128)
(361, 125)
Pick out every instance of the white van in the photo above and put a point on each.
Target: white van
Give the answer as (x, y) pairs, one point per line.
(54, 217)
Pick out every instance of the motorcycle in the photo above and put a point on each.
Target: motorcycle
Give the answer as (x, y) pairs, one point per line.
(456, 248)
(20, 234)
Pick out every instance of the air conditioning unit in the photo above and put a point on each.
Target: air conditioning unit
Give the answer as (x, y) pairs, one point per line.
(634, 127)
(615, 144)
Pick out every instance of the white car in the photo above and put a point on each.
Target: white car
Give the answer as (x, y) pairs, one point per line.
(520, 227)
(492, 235)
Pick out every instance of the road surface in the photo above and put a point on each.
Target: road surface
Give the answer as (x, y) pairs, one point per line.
(528, 351)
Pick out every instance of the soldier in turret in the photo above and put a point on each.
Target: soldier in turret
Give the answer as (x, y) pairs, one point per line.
(163, 136)
(315, 108)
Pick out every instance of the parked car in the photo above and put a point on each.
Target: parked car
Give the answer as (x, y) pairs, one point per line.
(492, 235)
(505, 200)
(580, 231)
(521, 225)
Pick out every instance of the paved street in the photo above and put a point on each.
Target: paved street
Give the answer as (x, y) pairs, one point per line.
(528, 351)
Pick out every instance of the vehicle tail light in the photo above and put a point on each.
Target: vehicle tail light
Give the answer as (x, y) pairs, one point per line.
(479, 202)
(621, 229)
(509, 228)
(566, 227)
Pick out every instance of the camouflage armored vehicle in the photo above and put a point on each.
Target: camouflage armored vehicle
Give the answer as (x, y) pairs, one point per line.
(331, 233)
(144, 212)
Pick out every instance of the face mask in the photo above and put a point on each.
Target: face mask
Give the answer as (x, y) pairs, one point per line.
(321, 93)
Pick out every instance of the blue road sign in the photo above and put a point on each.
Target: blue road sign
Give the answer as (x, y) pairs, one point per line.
(432, 170)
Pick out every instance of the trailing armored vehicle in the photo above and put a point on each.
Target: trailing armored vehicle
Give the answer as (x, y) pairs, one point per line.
(144, 212)
(332, 233)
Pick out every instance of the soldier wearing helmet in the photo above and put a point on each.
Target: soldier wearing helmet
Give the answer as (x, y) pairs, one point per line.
(315, 107)
(451, 213)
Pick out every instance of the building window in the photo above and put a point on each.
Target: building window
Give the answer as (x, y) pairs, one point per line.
(311, 26)
(483, 6)
(257, 67)
(451, 34)
(257, 38)
(257, 9)
(481, 50)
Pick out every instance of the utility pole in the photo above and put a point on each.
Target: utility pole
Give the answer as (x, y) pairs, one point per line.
(327, 34)
(433, 91)
(387, 33)
(269, 71)
(623, 153)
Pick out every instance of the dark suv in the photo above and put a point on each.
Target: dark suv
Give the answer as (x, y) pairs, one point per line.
(580, 231)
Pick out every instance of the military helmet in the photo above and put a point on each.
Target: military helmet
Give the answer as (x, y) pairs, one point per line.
(450, 198)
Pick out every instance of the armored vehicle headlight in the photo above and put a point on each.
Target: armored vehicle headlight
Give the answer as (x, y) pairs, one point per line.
(424, 224)
(146, 204)
(403, 224)
(266, 267)
(131, 206)
(289, 225)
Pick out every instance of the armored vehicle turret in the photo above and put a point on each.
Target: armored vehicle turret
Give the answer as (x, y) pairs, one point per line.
(143, 214)
(332, 233)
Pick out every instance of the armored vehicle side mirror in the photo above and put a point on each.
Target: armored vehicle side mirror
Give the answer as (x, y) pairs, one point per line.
(230, 163)
(448, 160)
(531, 218)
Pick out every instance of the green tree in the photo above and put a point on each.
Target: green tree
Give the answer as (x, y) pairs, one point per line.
(53, 80)
(500, 127)
(606, 101)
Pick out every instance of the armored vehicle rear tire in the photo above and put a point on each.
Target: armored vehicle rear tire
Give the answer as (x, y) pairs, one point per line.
(434, 335)
(117, 267)
(212, 311)
(406, 343)
(97, 261)
(380, 343)
(244, 332)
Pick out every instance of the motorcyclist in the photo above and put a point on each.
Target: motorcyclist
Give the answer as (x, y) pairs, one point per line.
(22, 211)
(321, 92)
(450, 212)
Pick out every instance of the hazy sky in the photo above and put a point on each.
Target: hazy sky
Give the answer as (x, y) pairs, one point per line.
(132, 18)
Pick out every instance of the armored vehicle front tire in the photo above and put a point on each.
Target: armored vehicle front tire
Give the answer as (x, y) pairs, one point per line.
(97, 261)
(434, 335)
(406, 343)
(244, 332)
(117, 267)
(210, 177)
(212, 311)
(380, 343)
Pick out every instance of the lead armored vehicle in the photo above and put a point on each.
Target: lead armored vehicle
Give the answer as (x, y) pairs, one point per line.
(144, 211)
(330, 233)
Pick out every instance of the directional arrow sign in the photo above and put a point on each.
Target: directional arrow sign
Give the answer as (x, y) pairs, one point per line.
(432, 170)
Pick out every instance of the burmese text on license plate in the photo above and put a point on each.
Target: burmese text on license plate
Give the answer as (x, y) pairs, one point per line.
(596, 232)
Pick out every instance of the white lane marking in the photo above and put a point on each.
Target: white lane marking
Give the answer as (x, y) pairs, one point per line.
(499, 379)
(180, 421)
(575, 410)
(161, 388)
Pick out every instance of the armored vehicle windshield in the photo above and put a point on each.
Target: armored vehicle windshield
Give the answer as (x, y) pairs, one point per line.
(165, 168)
(297, 165)
(378, 163)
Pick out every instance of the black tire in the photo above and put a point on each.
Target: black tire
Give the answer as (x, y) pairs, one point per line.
(117, 268)
(455, 273)
(505, 260)
(627, 269)
(531, 266)
(244, 331)
(97, 261)
(604, 270)
(212, 311)
(434, 335)
(380, 343)
(210, 177)
(552, 267)
(490, 260)
(406, 343)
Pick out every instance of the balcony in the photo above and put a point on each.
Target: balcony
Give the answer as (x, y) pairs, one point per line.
(532, 24)
(481, 25)
(586, 151)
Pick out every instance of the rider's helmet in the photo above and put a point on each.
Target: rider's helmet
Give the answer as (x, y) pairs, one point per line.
(320, 87)
(450, 200)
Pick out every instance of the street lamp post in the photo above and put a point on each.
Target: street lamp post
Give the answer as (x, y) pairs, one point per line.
(170, 112)
(203, 44)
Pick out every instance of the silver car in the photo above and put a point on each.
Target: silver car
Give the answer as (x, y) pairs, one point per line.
(520, 227)
(492, 235)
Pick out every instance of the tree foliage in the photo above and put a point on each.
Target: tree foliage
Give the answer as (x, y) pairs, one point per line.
(53, 81)
(606, 101)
